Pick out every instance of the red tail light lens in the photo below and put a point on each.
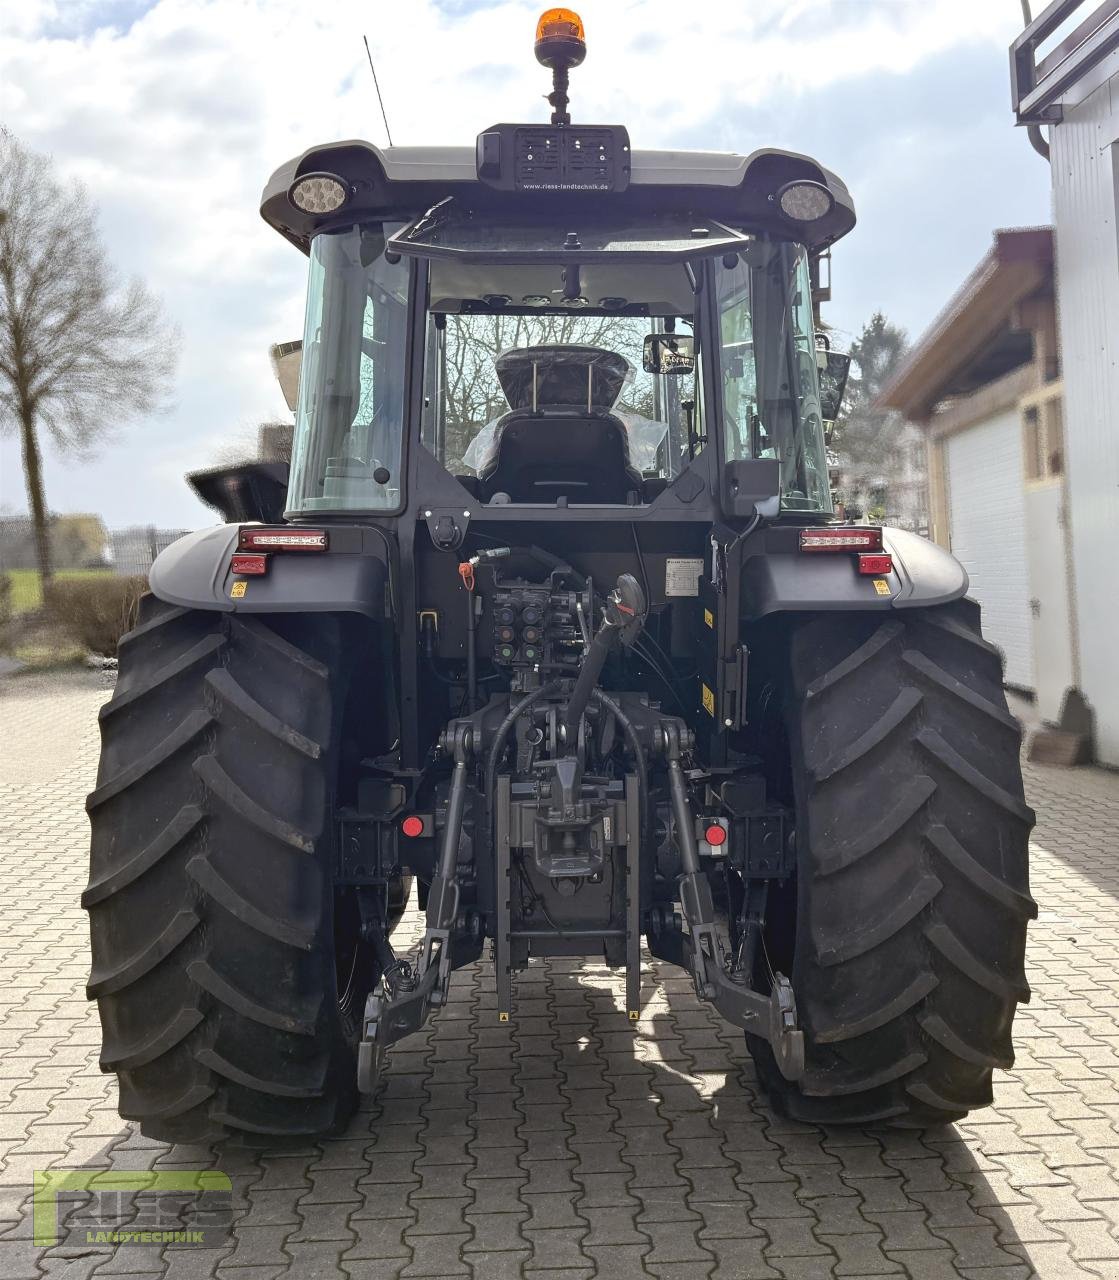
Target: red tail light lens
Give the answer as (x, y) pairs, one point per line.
(841, 538)
(876, 564)
(412, 826)
(715, 835)
(289, 539)
(250, 566)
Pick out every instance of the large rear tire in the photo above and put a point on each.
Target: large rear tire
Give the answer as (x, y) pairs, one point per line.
(230, 996)
(906, 933)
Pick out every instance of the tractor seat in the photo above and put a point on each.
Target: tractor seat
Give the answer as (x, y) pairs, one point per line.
(561, 452)
(559, 438)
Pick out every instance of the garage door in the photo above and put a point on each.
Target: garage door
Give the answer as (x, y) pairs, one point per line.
(987, 521)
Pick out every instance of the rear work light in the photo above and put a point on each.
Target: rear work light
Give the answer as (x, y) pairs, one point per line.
(248, 565)
(876, 565)
(254, 539)
(841, 538)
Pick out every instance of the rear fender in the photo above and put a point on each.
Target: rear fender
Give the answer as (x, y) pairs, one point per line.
(351, 577)
(778, 578)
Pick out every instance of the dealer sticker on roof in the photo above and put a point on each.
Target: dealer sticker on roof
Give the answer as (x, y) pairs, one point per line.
(681, 577)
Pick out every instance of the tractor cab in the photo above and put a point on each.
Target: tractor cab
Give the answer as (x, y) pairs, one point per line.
(556, 319)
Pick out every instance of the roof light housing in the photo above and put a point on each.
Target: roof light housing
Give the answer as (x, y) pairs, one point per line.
(319, 193)
(805, 201)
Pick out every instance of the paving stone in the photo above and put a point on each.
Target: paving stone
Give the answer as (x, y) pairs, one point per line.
(259, 1246)
(378, 1238)
(317, 1261)
(860, 1255)
(903, 1231)
(505, 1265)
(611, 1226)
(568, 1144)
(437, 1256)
(1054, 1262)
(977, 1246)
(821, 1267)
(790, 1238)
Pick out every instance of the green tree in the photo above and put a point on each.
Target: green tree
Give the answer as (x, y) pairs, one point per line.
(80, 352)
(867, 441)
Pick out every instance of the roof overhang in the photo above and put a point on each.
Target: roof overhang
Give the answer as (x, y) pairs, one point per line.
(1019, 264)
(400, 183)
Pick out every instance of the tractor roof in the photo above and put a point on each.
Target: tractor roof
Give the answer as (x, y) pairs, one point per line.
(401, 183)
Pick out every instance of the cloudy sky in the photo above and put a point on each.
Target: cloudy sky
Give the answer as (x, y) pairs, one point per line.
(174, 112)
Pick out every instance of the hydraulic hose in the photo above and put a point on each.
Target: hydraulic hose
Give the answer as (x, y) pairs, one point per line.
(503, 730)
(604, 640)
(471, 654)
(604, 700)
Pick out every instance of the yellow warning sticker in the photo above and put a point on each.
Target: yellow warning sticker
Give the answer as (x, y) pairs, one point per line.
(882, 586)
(708, 700)
(709, 617)
(238, 590)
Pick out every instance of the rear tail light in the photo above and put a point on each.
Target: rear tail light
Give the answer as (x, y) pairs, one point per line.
(289, 539)
(876, 564)
(841, 538)
(248, 565)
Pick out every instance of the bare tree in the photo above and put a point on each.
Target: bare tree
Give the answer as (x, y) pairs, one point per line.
(80, 352)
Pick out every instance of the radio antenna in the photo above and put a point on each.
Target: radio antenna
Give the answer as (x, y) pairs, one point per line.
(377, 86)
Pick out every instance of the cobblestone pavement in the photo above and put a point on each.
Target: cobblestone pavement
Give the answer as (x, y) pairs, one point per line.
(570, 1146)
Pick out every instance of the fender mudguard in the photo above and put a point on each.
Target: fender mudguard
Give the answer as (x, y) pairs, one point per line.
(779, 578)
(351, 577)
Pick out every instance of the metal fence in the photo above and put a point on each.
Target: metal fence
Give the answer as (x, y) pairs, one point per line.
(134, 549)
(83, 542)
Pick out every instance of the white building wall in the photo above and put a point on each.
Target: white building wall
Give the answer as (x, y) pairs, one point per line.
(1085, 165)
(987, 528)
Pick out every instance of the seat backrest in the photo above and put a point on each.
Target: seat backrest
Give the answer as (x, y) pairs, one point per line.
(559, 452)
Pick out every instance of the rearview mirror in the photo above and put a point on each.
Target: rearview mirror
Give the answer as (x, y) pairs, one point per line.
(833, 367)
(669, 353)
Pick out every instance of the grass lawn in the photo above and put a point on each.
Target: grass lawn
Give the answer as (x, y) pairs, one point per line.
(26, 592)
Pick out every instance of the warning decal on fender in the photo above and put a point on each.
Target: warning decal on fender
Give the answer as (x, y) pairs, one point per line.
(238, 590)
(882, 586)
(708, 700)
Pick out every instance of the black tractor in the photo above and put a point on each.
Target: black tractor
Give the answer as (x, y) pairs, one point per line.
(556, 628)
